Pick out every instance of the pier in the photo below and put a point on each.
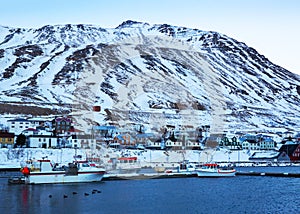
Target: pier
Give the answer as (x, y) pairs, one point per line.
(134, 176)
(270, 174)
(141, 176)
(161, 175)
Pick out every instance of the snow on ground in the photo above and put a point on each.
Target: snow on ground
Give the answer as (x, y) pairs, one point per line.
(12, 158)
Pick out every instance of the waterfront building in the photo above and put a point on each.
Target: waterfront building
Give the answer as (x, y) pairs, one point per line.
(292, 150)
(269, 156)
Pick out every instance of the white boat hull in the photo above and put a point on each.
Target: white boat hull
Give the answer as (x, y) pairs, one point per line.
(53, 177)
(216, 173)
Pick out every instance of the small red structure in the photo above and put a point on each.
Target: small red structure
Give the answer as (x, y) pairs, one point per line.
(97, 108)
(127, 159)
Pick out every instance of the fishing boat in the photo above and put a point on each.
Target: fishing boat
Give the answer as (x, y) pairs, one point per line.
(45, 172)
(185, 168)
(214, 170)
(123, 165)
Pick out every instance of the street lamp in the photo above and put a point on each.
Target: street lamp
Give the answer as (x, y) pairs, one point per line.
(229, 156)
(206, 156)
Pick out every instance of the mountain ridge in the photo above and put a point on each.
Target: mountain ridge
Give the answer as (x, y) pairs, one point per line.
(157, 69)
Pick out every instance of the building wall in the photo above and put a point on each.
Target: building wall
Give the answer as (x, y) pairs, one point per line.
(62, 125)
(82, 143)
(296, 154)
(193, 145)
(7, 140)
(174, 145)
(18, 126)
(42, 142)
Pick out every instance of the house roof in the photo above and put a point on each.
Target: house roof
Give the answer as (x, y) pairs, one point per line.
(268, 140)
(38, 119)
(121, 137)
(80, 137)
(18, 120)
(66, 119)
(144, 135)
(30, 129)
(265, 155)
(290, 142)
(74, 130)
(251, 141)
(104, 128)
(43, 136)
(6, 135)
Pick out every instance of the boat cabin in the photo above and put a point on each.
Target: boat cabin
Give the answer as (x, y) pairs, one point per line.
(37, 166)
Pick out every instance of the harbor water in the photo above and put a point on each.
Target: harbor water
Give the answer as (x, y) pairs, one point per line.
(240, 194)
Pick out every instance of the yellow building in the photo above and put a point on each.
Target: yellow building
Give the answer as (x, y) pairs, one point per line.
(6, 138)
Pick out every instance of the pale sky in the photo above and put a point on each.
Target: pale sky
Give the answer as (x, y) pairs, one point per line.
(272, 27)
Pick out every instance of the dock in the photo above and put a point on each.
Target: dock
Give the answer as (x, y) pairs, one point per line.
(164, 175)
(139, 176)
(270, 174)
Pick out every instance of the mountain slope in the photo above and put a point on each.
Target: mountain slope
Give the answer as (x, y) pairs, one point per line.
(150, 74)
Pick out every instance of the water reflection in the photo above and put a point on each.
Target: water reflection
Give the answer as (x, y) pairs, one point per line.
(242, 194)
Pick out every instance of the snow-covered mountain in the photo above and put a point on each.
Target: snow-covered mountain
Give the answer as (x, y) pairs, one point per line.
(150, 74)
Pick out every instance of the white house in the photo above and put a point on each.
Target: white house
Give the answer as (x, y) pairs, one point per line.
(193, 145)
(81, 141)
(155, 145)
(43, 141)
(252, 145)
(257, 142)
(18, 125)
(174, 145)
(267, 144)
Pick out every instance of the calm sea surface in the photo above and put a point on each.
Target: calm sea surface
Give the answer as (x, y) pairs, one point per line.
(241, 194)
